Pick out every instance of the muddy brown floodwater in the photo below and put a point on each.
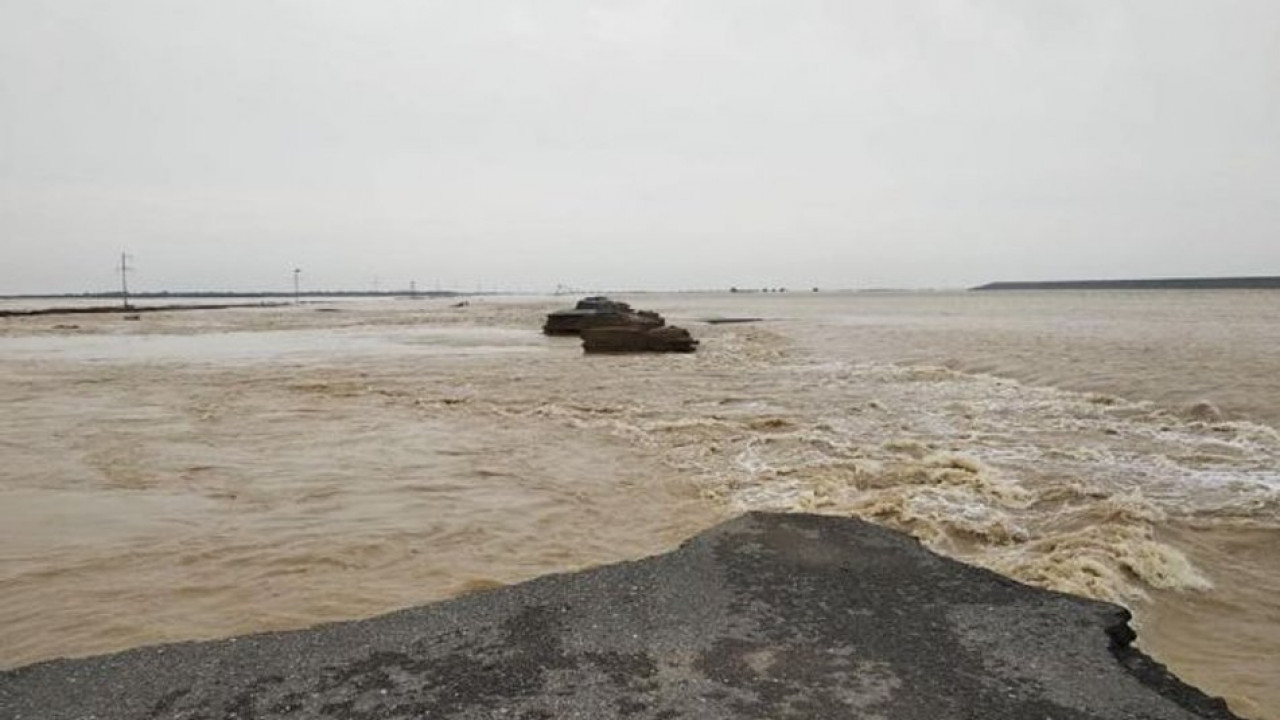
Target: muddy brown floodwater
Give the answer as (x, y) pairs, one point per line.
(206, 473)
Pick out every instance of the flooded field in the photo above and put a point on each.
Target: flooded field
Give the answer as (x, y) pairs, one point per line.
(204, 473)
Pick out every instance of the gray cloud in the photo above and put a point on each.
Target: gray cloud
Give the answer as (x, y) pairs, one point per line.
(640, 145)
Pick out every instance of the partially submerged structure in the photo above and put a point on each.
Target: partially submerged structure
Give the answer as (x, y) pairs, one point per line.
(613, 326)
(598, 311)
(638, 339)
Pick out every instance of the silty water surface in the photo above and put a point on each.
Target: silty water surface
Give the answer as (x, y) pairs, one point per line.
(201, 474)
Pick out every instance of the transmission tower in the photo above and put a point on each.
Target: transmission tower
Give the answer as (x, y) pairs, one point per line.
(124, 279)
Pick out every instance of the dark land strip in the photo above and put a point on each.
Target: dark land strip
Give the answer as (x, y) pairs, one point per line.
(1229, 283)
(106, 309)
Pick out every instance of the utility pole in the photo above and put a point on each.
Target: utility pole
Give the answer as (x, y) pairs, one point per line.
(296, 297)
(124, 279)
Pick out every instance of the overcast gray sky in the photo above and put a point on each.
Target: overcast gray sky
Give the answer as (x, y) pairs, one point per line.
(646, 145)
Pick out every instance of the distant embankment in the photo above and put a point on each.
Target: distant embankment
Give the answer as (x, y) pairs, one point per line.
(103, 309)
(115, 294)
(1234, 283)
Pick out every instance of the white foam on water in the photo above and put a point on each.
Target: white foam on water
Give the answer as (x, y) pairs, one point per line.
(1056, 488)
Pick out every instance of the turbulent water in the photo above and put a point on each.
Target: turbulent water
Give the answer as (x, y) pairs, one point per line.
(205, 473)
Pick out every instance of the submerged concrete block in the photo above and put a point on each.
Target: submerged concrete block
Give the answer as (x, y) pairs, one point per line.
(638, 339)
(599, 311)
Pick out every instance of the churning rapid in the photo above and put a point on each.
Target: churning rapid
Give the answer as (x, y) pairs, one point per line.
(206, 473)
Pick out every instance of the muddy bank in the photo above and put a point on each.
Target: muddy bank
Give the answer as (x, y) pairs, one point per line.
(765, 616)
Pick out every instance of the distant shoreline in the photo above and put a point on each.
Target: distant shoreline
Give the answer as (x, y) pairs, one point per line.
(132, 309)
(214, 294)
(280, 298)
(1224, 283)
